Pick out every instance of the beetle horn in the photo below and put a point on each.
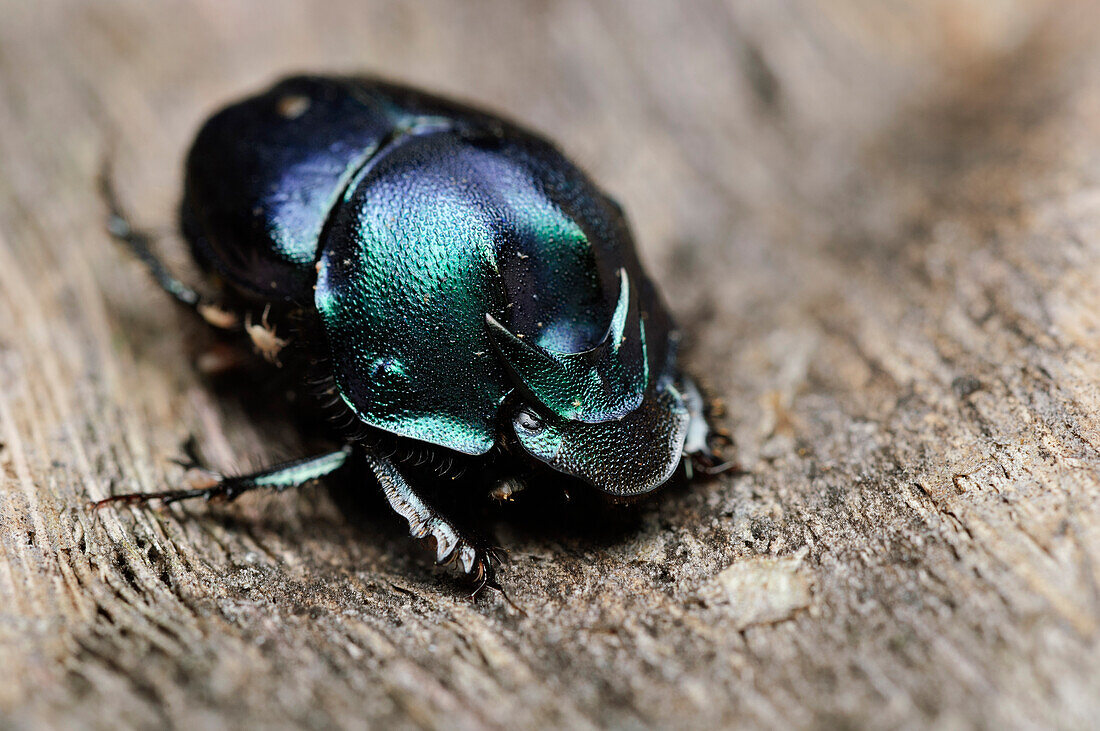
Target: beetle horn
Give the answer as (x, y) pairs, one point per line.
(616, 336)
(601, 383)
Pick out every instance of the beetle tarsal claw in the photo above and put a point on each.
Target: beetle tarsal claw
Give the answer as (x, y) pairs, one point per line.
(477, 563)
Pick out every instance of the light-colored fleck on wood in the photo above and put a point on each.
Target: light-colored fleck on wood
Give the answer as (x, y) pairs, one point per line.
(879, 222)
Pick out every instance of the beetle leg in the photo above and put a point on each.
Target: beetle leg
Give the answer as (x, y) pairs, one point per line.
(475, 559)
(280, 477)
(701, 436)
(118, 225)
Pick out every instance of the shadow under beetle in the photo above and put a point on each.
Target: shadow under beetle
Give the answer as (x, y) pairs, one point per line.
(440, 278)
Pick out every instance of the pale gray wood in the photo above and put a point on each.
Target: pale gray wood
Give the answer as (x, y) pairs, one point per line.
(880, 223)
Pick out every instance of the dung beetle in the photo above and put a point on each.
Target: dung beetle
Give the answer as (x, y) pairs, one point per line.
(445, 282)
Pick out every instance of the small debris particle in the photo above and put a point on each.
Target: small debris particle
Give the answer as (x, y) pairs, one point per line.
(292, 106)
(761, 590)
(264, 338)
(217, 316)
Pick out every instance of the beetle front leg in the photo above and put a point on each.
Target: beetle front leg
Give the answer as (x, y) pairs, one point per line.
(701, 435)
(475, 560)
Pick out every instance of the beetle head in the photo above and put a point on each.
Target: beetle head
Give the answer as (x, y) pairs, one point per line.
(623, 457)
(594, 414)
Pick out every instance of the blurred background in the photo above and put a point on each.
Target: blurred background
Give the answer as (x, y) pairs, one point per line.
(878, 223)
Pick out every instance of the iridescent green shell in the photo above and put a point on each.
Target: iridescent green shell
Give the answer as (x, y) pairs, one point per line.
(407, 220)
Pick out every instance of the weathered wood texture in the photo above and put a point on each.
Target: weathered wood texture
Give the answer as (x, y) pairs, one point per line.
(880, 222)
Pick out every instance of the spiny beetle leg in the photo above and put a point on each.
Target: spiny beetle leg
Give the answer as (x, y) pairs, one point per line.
(703, 440)
(279, 477)
(474, 558)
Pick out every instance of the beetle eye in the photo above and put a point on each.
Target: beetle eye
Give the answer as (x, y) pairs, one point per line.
(528, 422)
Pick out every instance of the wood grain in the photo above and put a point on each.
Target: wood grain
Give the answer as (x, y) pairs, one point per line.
(879, 222)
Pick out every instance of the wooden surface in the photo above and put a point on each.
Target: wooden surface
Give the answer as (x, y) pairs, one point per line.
(880, 224)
